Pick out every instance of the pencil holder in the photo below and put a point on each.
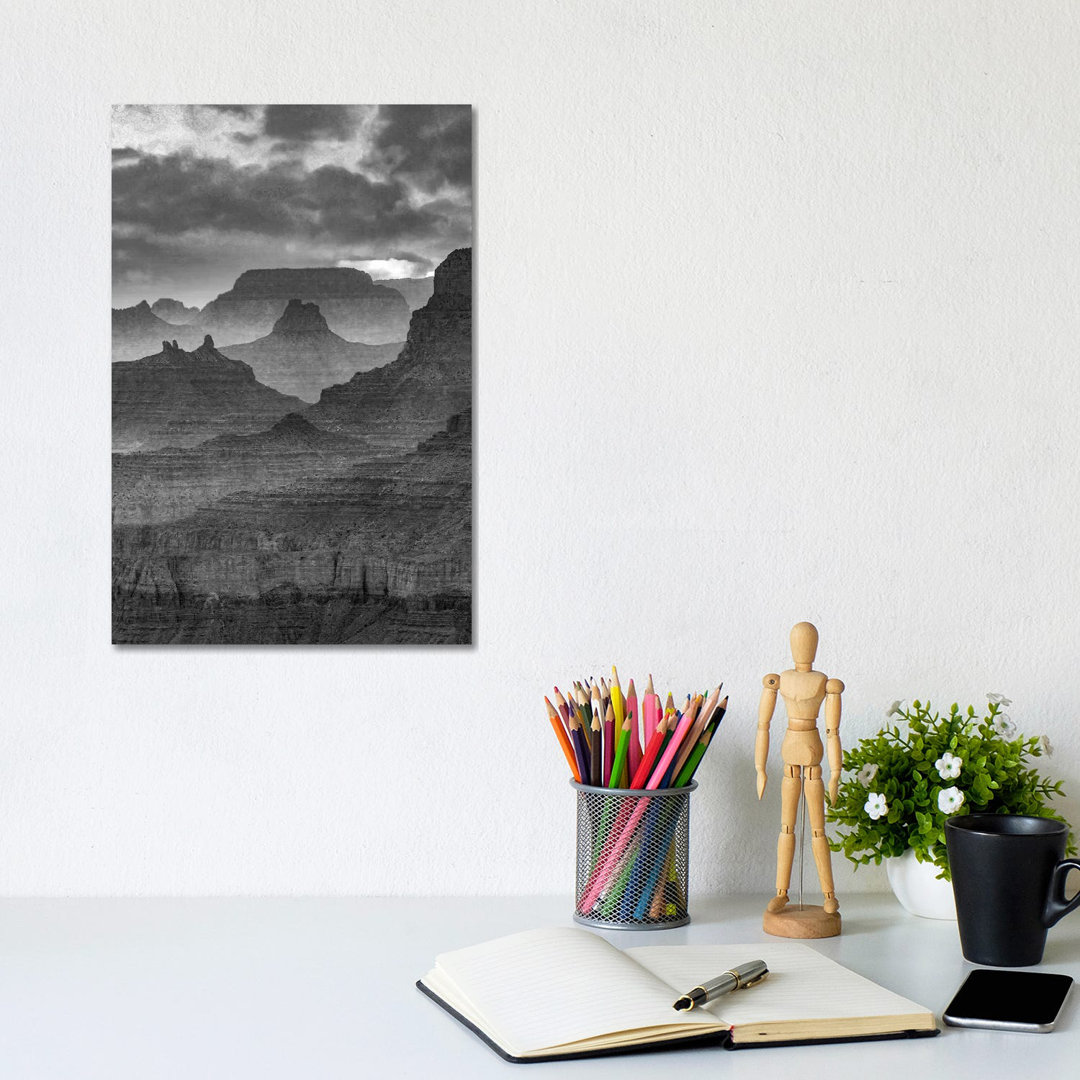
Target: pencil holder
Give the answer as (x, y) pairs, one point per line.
(633, 857)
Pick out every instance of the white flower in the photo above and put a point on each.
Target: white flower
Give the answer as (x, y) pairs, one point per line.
(866, 774)
(950, 800)
(876, 806)
(1047, 748)
(948, 766)
(895, 709)
(998, 699)
(1003, 725)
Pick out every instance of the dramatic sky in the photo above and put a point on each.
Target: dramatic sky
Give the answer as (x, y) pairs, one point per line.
(203, 192)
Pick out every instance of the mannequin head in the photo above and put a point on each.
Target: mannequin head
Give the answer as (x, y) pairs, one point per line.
(804, 639)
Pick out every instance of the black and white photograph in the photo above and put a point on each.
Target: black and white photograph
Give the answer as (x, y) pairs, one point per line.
(292, 374)
(678, 438)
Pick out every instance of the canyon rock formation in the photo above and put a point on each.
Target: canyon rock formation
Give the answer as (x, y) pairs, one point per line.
(417, 291)
(172, 311)
(353, 305)
(381, 553)
(303, 356)
(137, 331)
(411, 398)
(180, 398)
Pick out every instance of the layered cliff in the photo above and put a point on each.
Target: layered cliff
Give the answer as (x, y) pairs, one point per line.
(352, 304)
(413, 397)
(180, 398)
(380, 553)
(171, 483)
(137, 331)
(303, 356)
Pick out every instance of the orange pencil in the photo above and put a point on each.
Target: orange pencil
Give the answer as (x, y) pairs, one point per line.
(564, 740)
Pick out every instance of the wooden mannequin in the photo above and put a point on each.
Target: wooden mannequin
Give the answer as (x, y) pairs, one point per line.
(803, 691)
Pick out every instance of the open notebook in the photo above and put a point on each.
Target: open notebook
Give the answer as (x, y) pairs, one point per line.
(562, 992)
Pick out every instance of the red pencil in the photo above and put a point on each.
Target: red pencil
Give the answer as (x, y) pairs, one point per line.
(648, 758)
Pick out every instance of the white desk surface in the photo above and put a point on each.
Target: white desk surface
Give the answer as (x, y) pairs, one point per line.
(308, 989)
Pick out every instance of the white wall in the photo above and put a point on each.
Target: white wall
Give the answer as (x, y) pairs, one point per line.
(776, 319)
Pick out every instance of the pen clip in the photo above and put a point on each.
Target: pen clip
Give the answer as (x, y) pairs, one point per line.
(754, 981)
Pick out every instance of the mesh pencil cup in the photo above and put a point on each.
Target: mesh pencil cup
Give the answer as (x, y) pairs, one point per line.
(633, 857)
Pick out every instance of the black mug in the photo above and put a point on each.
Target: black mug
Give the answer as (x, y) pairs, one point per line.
(1008, 877)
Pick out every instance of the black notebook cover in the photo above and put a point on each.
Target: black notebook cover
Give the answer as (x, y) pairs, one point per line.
(717, 1038)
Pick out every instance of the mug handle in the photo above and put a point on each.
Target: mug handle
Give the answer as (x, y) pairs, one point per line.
(1056, 905)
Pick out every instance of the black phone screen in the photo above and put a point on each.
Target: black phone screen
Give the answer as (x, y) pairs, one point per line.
(1018, 999)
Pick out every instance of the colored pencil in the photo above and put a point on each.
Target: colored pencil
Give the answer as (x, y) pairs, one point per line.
(704, 714)
(617, 702)
(662, 772)
(581, 748)
(633, 759)
(648, 758)
(596, 755)
(564, 740)
(627, 832)
(564, 709)
(658, 868)
(698, 753)
(609, 743)
(598, 713)
(622, 749)
(602, 733)
(583, 727)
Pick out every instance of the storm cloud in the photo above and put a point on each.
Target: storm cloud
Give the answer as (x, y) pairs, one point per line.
(202, 193)
(305, 123)
(429, 144)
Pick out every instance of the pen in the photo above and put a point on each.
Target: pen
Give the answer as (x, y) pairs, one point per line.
(738, 978)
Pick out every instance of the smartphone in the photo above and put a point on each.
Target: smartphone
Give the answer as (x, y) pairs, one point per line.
(1013, 1000)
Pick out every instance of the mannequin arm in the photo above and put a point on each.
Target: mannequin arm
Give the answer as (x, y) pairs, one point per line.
(833, 689)
(761, 744)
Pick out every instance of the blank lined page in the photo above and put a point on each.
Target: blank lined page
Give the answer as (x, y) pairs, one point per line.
(802, 984)
(545, 988)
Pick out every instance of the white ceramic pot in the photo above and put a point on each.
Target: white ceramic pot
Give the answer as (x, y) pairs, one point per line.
(917, 886)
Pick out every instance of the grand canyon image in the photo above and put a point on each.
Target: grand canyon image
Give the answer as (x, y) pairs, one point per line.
(292, 374)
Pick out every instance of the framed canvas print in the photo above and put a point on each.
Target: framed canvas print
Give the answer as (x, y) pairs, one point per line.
(292, 374)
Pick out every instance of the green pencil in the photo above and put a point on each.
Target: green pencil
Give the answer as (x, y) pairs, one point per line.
(622, 749)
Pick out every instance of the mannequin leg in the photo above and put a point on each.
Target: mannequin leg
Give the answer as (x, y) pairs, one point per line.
(790, 790)
(815, 805)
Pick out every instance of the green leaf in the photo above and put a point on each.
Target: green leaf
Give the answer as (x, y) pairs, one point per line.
(995, 778)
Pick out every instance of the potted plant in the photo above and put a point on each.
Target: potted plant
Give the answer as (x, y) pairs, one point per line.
(898, 788)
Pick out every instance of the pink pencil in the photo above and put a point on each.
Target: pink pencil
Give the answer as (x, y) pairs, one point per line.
(603, 875)
(703, 717)
(635, 730)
